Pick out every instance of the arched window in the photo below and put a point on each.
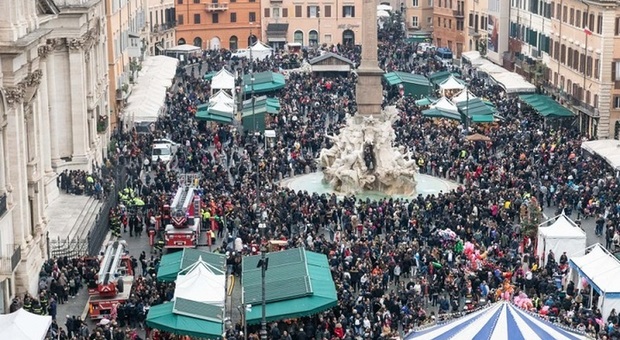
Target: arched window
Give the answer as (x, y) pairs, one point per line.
(313, 38)
(181, 41)
(348, 37)
(298, 37)
(251, 40)
(198, 42)
(233, 43)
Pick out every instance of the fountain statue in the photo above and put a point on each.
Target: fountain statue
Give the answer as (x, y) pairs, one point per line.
(363, 156)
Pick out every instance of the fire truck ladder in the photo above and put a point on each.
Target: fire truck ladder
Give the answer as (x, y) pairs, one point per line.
(109, 265)
(180, 201)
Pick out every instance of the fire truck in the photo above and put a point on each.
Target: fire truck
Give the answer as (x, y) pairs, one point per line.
(114, 281)
(183, 230)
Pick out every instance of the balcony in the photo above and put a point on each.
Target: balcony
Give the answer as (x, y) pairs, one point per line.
(163, 28)
(583, 107)
(474, 33)
(10, 259)
(458, 13)
(216, 7)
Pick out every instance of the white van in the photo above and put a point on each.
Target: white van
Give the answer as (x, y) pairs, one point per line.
(164, 150)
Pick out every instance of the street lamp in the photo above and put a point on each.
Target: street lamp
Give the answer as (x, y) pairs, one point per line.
(263, 268)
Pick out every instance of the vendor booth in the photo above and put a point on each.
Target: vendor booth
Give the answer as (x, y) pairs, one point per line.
(560, 234)
(501, 320)
(600, 269)
(24, 325)
(607, 149)
(171, 264)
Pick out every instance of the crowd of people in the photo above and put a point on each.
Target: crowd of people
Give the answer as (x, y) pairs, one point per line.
(79, 182)
(397, 263)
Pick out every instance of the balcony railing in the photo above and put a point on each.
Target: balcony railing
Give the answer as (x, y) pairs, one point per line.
(583, 106)
(458, 13)
(162, 28)
(10, 260)
(214, 7)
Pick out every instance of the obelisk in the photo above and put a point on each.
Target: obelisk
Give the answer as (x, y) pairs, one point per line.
(369, 91)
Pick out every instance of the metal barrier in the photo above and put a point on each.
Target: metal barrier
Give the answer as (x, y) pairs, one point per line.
(67, 247)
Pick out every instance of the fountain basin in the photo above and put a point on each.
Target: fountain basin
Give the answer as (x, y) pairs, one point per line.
(313, 183)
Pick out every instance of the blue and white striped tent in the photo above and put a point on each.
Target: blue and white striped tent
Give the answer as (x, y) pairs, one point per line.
(501, 320)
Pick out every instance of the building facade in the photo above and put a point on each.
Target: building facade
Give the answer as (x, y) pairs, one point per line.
(573, 49)
(476, 11)
(161, 22)
(215, 24)
(419, 18)
(127, 36)
(308, 23)
(449, 25)
(52, 89)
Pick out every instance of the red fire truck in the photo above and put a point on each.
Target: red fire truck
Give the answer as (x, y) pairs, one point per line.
(183, 230)
(114, 281)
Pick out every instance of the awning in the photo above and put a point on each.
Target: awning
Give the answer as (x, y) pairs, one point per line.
(277, 29)
(546, 106)
(263, 82)
(482, 118)
(215, 113)
(439, 77)
(262, 104)
(476, 107)
(163, 317)
(297, 283)
(171, 264)
(413, 84)
(426, 101)
(276, 39)
(438, 113)
(419, 38)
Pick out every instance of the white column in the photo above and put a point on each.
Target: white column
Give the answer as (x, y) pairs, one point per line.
(3, 154)
(78, 104)
(54, 112)
(46, 152)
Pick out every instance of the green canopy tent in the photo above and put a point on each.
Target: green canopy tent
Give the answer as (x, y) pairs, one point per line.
(262, 105)
(439, 77)
(426, 101)
(413, 84)
(209, 76)
(477, 110)
(215, 112)
(164, 318)
(171, 264)
(546, 106)
(442, 108)
(297, 283)
(419, 39)
(263, 82)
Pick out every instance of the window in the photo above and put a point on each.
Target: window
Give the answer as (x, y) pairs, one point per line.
(563, 54)
(252, 17)
(429, 21)
(589, 67)
(313, 38)
(615, 67)
(215, 18)
(348, 11)
(196, 1)
(285, 12)
(179, 2)
(617, 26)
(276, 12)
(297, 11)
(460, 25)
(196, 18)
(569, 61)
(597, 64)
(233, 42)
(312, 11)
(471, 19)
(565, 14)
(180, 19)
(233, 17)
(599, 24)
(414, 22)
(578, 18)
(298, 36)
(267, 13)
(328, 11)
(616, 102)
(551, 10)
(572, 16)
(415, 3)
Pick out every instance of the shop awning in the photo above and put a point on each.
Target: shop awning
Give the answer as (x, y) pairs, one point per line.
(263, 82)
(277, 29)
(171, 264)
(164, 318)
(298, 283)
(546, 106)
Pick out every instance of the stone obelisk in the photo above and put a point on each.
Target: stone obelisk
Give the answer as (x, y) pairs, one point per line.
(369, 91)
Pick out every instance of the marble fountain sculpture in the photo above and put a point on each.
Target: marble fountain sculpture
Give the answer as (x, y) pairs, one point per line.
(363, 158)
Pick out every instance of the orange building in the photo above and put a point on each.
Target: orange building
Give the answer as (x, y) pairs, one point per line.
(215, 24)
(449, 25)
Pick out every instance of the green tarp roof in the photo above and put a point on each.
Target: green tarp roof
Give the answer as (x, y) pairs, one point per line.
(476, 107)
(425, 101)
(437, 113)
(439, 77)
(419, 39)
(397, 77)
(263, 82)
(261, 105)
(546, 106)
(164, 318)
(482, 118)
(208, 113)
(171, 264)
(210, 75)
(298, 283)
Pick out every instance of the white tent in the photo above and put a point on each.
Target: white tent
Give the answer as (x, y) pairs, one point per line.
(513, 82)
(149, 91)
(221, 107)
(223, 79)
(450, 84)
(462, 96)
(608, 149)
(260, 51)
(383, 14)
(222, 97)
(471, 57)
(562, 235)
(445, 105)
(202, 282)
(185, 48)
(24, 325)
(490, 68)
(387, 8)
(600, 268)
